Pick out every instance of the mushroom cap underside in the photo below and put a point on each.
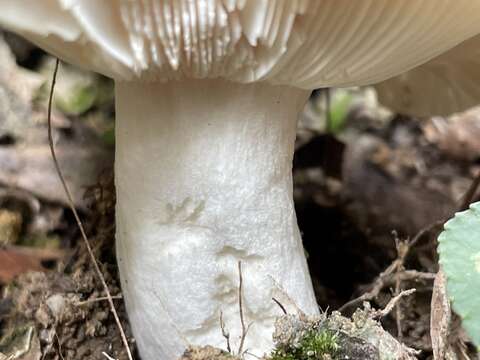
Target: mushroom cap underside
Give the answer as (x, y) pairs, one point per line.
(303, 43)
(446, 84)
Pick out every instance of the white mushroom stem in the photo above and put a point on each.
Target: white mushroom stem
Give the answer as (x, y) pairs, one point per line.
(203, 176)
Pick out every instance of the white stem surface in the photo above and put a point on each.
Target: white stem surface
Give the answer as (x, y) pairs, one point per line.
(203, 177)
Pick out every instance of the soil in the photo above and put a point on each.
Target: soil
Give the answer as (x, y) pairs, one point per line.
(360, 196)
(395, 183)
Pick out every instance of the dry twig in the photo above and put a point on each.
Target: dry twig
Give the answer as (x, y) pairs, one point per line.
(101, 298)
(280, 305)
(395, 273)
(470, 194)
(225, 333)
(60, 352)
(107, 356)
(240, 305)
(378, 285)
(424, 231)
(77, 218)
(391, 304)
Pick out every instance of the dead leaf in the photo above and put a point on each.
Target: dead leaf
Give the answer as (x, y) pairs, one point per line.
(25, 159)
(30, 167)
(457, 135)
(16, 260)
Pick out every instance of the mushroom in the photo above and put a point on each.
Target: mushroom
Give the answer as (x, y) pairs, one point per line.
(207, 97)
(447, 84)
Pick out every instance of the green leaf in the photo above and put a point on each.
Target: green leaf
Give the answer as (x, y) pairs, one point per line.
(459, 249)
(339, 109)
(79, 100)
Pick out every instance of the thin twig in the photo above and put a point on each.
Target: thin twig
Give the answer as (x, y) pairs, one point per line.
(101, 298)
(107, 356)
(60, 353)
(415, 275)
(395, 272)
(240, 305)
(424, 231)
(225, 333)
(398, 310)
(377, 286)
(77, 218)
(403, 248)
(391, 304)
(280, 305)
(387, 278)
(470, 194)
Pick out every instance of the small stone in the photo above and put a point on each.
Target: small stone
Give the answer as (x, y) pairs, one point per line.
(56, 304)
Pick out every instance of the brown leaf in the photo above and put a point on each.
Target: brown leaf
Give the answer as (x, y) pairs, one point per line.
(18, 260)
(457, 136)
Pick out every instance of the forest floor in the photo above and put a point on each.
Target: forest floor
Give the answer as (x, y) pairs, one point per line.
(370, 193)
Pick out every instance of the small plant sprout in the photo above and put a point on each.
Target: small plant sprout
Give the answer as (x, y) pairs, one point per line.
(207, 98)
(459, 249)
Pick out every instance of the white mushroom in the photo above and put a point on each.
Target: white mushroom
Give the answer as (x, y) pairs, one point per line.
(446, 84)
(207, 96)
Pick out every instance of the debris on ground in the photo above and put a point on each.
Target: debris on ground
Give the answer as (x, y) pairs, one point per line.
(206, 353)
(68, 314)
(336, 337)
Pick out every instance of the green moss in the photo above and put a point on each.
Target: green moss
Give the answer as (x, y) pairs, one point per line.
(315, 345)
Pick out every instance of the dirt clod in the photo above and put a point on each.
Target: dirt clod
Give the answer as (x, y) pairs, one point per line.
(64, 311)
